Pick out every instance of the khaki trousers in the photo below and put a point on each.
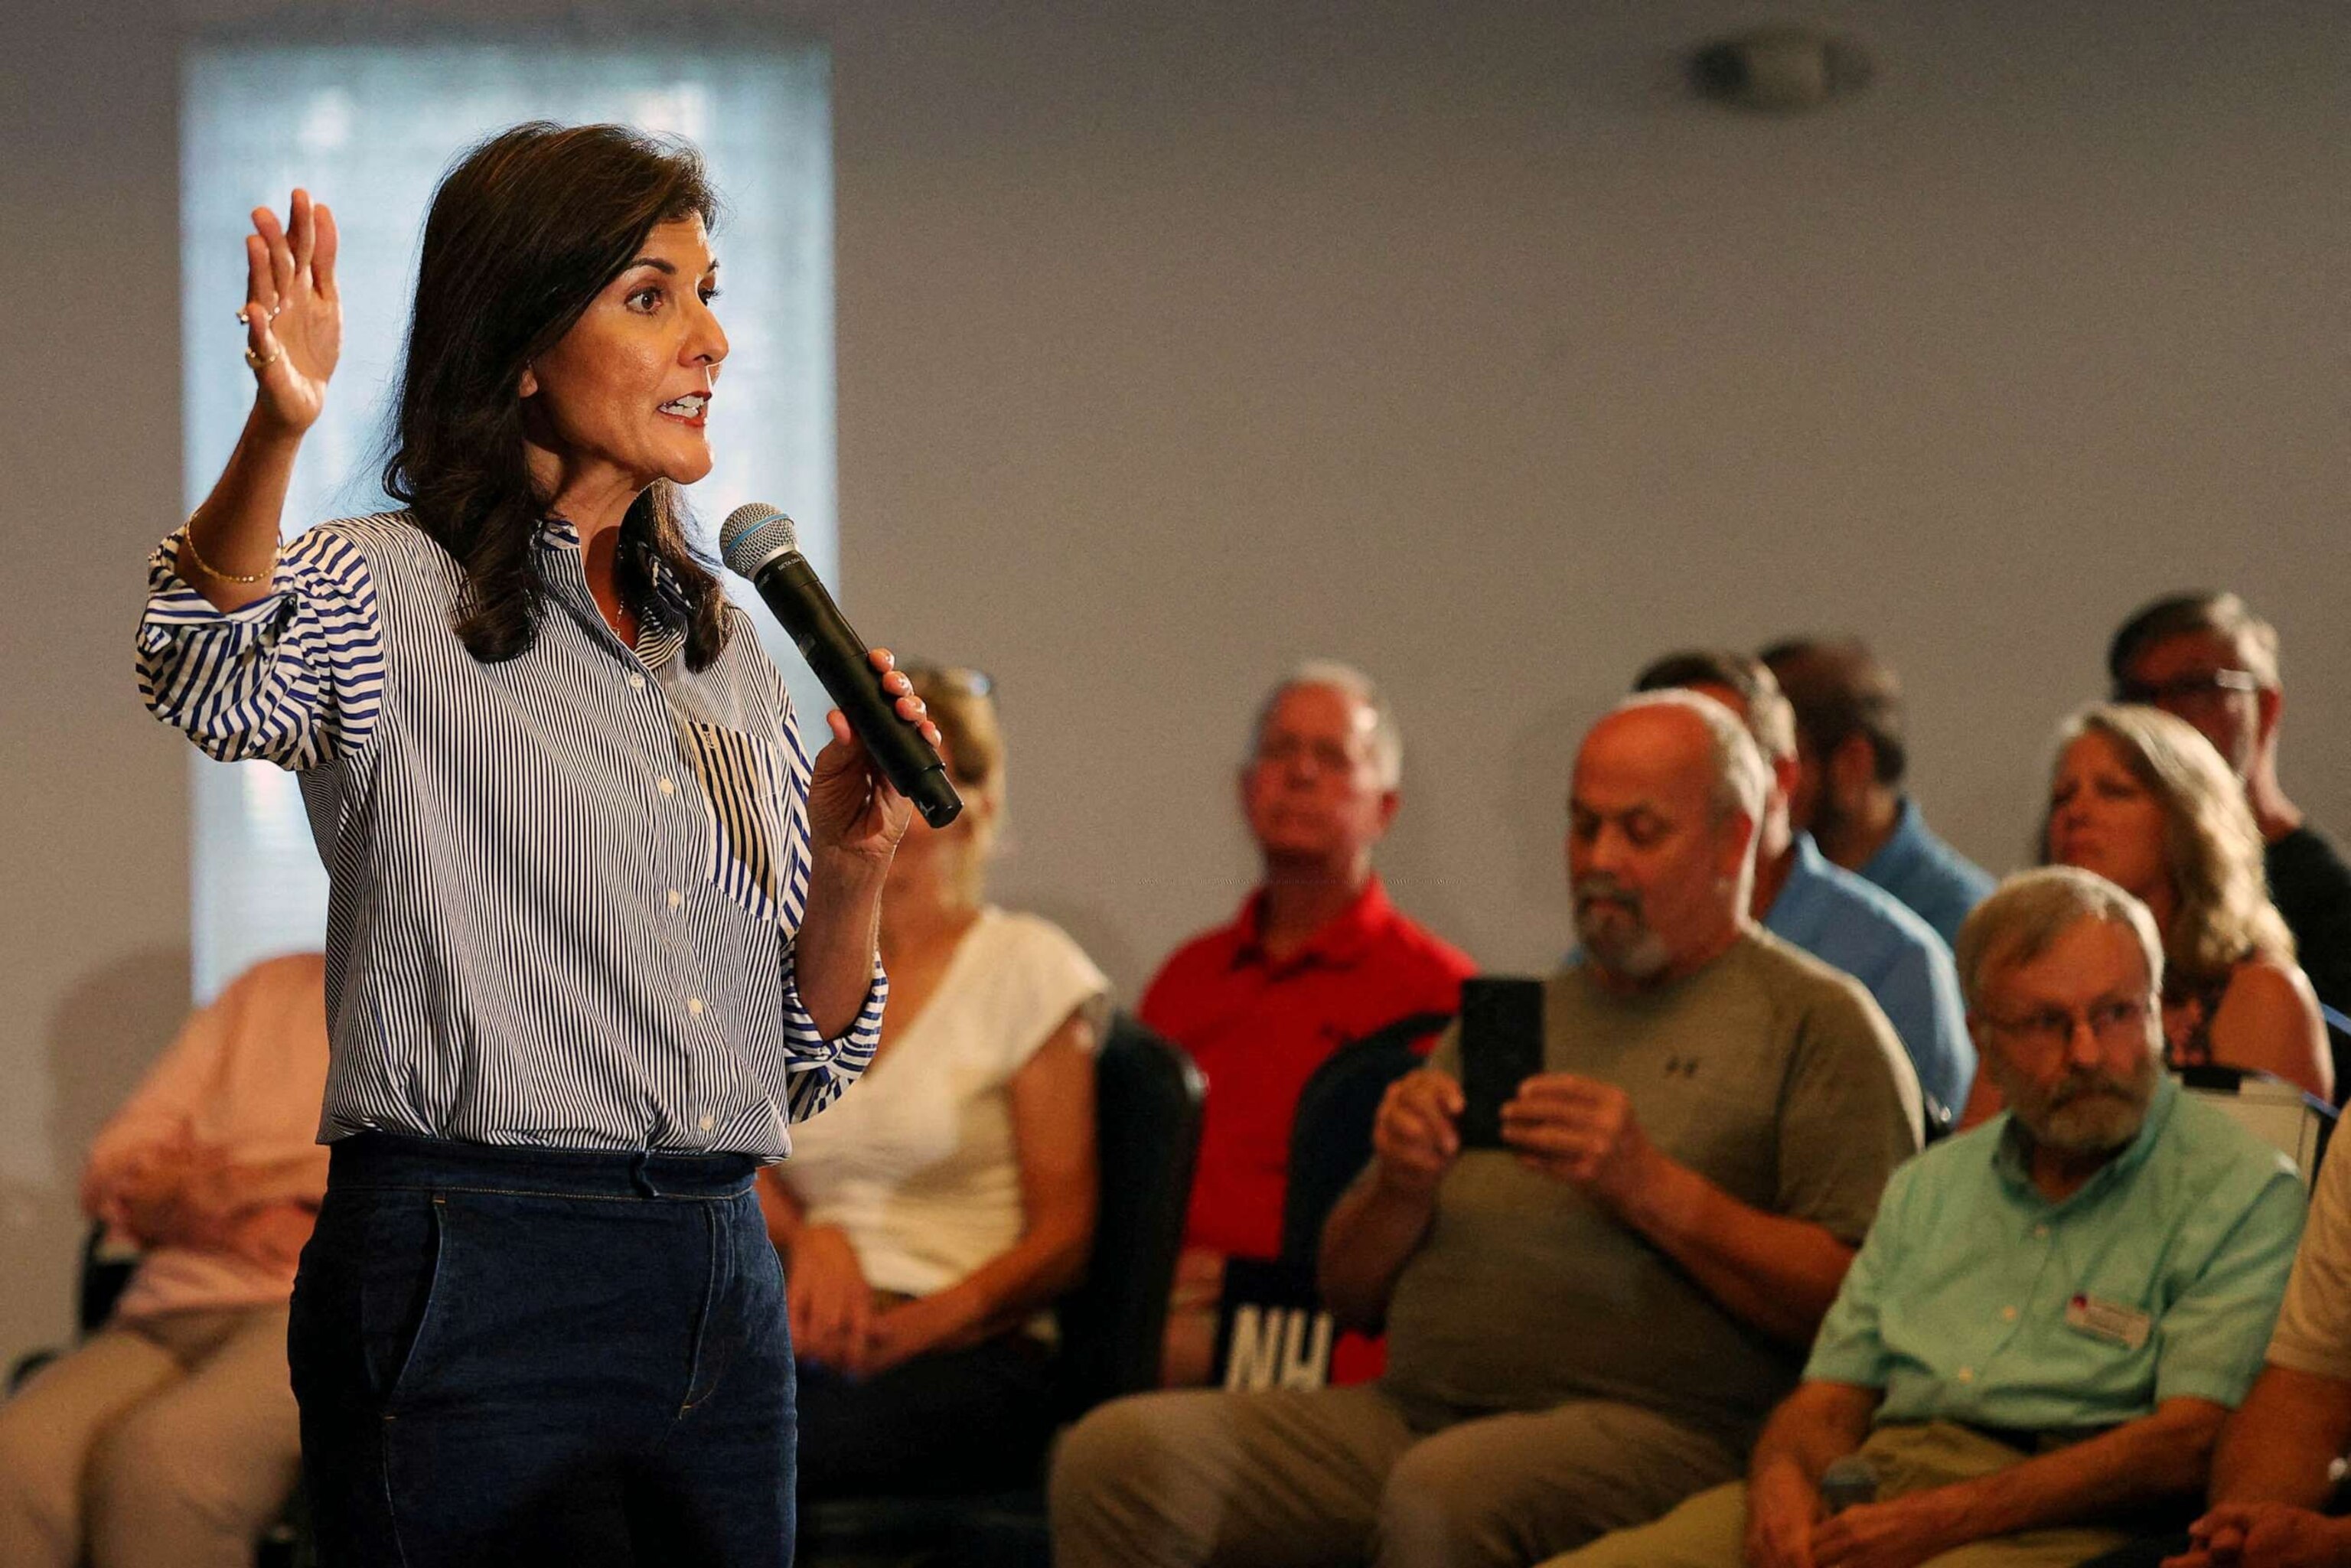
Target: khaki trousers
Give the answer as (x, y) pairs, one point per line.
(1310, 1478)
(169, 1443)
(1709, 1531)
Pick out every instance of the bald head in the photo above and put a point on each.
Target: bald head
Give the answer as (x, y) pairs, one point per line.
(1660, 835)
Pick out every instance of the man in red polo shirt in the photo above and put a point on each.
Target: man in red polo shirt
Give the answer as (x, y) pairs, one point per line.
(1318, 956)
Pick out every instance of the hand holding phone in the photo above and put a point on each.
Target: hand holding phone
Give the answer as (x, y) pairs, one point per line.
(1415, 1135)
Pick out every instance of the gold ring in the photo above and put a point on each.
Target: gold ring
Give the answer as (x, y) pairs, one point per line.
(258, 360)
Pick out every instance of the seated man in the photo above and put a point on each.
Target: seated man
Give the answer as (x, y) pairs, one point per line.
(1317, 957)
(2208, 659)
(1584, 1325)
(169, 1438)
(1840, 919)
(2271, 1473)
(1849, 795)
(2053, 1312)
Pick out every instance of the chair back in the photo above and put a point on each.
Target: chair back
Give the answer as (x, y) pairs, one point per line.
(2295, 1122)
(1331, 1131)
(1147, 1097)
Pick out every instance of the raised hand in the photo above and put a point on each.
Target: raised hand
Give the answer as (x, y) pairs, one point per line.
(293, 316)
(1417, 1134)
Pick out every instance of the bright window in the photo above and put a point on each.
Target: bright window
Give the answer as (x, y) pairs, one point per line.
(369, 129)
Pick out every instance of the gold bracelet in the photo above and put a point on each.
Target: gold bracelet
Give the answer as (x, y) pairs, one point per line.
(188, 537)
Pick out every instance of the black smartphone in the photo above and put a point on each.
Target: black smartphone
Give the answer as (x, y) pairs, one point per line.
(1502, 1047)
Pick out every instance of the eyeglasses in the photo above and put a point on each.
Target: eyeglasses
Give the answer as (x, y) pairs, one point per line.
(2049, 1030)
(2187, 691)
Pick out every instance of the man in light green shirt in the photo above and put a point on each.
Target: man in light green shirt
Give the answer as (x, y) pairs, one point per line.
(2052, 1315)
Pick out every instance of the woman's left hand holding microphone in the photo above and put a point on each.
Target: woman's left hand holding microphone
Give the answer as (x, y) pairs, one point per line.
(852, 809)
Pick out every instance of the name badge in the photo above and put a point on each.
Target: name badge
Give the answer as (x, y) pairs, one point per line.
(2108, 1320)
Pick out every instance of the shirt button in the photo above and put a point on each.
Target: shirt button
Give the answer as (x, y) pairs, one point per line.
(636, 682)
(1967, 1374)
(676, 898)
(666, 787)
(709, 1123)
(694, 1006)
(2041, 1233)
(2008, 1314)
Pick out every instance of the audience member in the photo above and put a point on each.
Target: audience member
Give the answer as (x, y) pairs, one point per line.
(1318, 956)
(2053, 1313)
(2206, 658)
(169, 1438)
(2141, 798)
(1846, 923)
(2275, 1470)
(928, 1218)
(1851, 761)
(1585, 1325)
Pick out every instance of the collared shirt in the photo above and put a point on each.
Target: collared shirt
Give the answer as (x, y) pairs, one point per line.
(565, 887)
(1259, 1029)
(1928, 876)
(1977, 1299)
(1850, 924)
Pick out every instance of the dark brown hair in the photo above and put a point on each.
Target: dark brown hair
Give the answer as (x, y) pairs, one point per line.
(2222, 614)
(525, 232)
(1839, 689)
(1768, 719)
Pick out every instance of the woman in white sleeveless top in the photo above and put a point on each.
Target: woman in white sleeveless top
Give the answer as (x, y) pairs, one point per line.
(928, 1220)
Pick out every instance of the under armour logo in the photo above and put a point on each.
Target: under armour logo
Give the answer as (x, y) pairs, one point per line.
(1681, 1067)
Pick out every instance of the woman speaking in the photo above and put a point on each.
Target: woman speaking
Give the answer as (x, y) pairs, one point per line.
(597, 932)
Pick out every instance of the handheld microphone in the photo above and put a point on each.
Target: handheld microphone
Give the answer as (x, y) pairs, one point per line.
(758, 542)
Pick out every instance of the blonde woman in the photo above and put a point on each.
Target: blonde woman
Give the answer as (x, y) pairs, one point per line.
(929, 1220)
(2143, 800)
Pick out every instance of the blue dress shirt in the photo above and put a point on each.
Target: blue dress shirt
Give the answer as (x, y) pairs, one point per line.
(1856, 926)
(1936, 881)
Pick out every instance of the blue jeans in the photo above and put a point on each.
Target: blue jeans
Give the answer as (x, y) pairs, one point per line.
(516, 1357)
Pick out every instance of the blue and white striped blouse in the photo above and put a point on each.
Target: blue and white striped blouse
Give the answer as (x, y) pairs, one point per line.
(564, 888)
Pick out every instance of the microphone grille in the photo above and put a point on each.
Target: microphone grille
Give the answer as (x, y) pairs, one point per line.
(753, 534)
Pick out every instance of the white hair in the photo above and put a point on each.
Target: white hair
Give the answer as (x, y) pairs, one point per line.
(1387, 738)
(1742, 779)
(2023, 917)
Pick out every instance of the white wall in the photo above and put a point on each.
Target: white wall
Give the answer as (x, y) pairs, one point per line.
(1179, 342)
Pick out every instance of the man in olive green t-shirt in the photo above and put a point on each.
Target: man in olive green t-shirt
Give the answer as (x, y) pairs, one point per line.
(1585, 1326)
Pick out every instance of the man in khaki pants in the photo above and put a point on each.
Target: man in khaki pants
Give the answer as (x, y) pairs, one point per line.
(2053, 1313)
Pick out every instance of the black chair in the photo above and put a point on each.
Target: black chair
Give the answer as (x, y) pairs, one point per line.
(1331, 1131)
(1271, 1329)
(105, 1271)
(1147, 1097)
